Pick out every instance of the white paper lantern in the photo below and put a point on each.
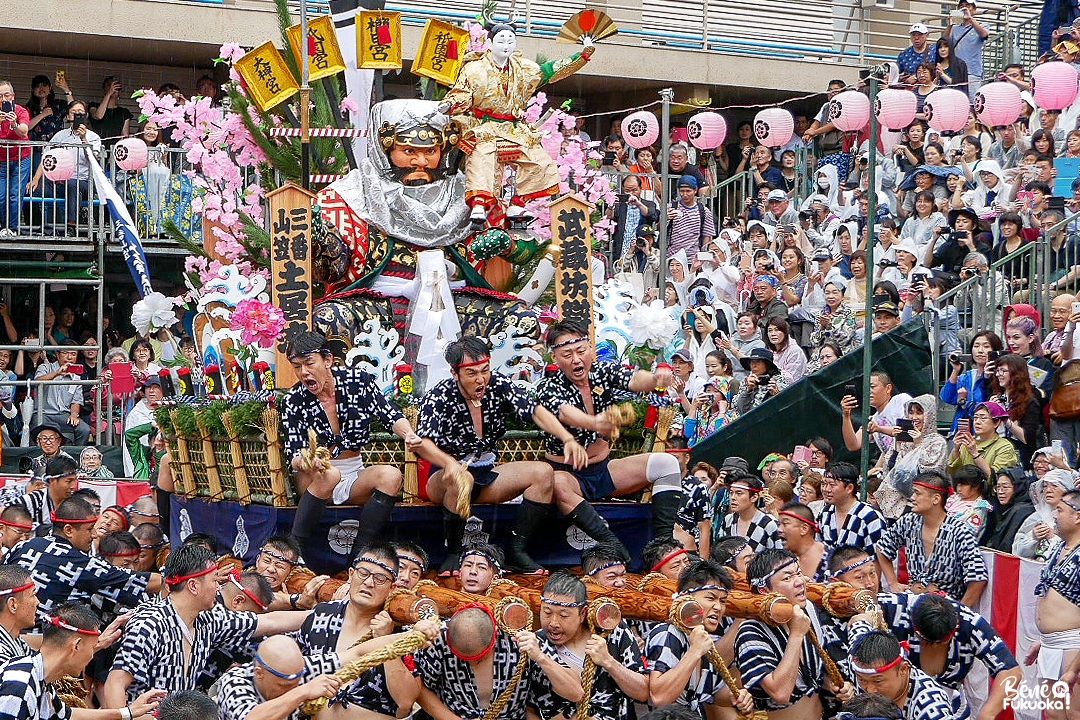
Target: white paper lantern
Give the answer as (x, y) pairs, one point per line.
(773, 127)
(131, 154)
(58, 164)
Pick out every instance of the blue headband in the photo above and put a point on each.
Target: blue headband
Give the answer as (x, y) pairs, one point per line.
(278, 673)
(605, 566)
(852, 566)
(763, 581)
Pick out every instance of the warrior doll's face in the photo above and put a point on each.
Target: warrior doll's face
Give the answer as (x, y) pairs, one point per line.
(415, 165)
(503, 45)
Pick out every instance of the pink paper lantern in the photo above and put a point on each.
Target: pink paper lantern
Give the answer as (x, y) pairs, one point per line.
(998, 104)
(1055, 85)
(849, 111)
(640, 129)
(947, 110)
(895, 109)
(59, 163)
(773, 127)
(707, 130)
(131, 154)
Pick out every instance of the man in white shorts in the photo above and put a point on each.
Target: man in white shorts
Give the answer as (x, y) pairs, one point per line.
(338, 403)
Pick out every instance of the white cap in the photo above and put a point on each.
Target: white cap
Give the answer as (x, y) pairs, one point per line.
(777, 194)
(919, 28)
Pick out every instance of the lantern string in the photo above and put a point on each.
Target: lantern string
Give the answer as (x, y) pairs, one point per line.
(704, 108)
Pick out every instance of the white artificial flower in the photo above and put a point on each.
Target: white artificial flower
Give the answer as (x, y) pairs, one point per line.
(653, 324)
(153, 312)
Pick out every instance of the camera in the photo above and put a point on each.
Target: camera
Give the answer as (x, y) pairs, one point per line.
(623, 198)
(76, 369)
(958, 235)
(78, 119)
(7, 106)
(609, 158)
(805, 215)
(770, 267)
(960, 358)
(968, 272)
(640, 242)
(994, 354)
(886, 262)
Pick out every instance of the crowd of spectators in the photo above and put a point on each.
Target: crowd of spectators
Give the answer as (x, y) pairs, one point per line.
(96, 121)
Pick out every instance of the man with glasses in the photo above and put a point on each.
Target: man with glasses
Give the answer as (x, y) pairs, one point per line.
(780, 665)
(49, 437)
(579, 395)
(62, 404)
(14, 159)
(846, 520)
(942, 554)
(335, 626)
(944, 639)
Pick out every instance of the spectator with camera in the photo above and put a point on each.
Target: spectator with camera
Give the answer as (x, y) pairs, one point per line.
(980, 444)
(819, 222)
(642, 258)
(76, 189)
(763, 380)
(967, 36)
(62, 404)
(966, 388)
(952, 244)
(881, 424)
(908, 153)
(14, 159)
(630, 213)
(108, 118)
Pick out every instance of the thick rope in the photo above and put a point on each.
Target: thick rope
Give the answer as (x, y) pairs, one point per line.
(504, 697)
(831, 668)
(406, 644)
(588, 668)
(649, 578)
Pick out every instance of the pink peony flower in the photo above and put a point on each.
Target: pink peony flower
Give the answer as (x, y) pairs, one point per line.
(348, 105)
(231, 52)
(260, 323)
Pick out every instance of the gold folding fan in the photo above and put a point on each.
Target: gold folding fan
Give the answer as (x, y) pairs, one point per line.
(594, 23)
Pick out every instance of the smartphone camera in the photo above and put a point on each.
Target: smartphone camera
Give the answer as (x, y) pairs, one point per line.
(609, 158)
(994, 354)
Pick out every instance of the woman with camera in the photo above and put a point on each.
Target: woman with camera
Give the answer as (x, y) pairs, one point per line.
(77, 188)
(711, 411)
(967, 388)
(917, 448)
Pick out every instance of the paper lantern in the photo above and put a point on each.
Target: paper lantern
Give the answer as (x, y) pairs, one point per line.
(59, 164)
(998, 104)
(707, 130)
(889, 140)
(1055, 85)
(947, 110)
(895, 109)
(640, 129)
(130, 154)
(773, 127)
(849, 111)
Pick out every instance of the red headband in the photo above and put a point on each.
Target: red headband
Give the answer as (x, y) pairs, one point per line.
(12, 523)
(118, 513)
(234, 578)
(668, 558)
(936, 488)
(801, 519)
(481, 361)
(494, 633)
(177, 579)
(15, 590)
(70, 521)
(122, 553)
(61, 624)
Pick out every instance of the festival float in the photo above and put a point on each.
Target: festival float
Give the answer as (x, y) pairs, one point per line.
(392, 233)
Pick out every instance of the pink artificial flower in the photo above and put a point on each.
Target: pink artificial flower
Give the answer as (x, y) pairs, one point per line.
(260, 323)
(231, 52)
(348, 105)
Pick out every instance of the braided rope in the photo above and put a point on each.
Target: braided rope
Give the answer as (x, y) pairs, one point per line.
(71, 691)
(408, 643)
(588, 669)
(649, 578)
(831, 668)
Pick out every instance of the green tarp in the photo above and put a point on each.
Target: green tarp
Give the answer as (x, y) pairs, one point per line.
(811, 408)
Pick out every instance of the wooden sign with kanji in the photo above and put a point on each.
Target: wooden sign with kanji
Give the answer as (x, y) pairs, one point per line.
(571, 232)
(290, 266)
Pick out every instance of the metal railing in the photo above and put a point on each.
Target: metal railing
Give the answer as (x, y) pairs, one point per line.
(846, 31)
